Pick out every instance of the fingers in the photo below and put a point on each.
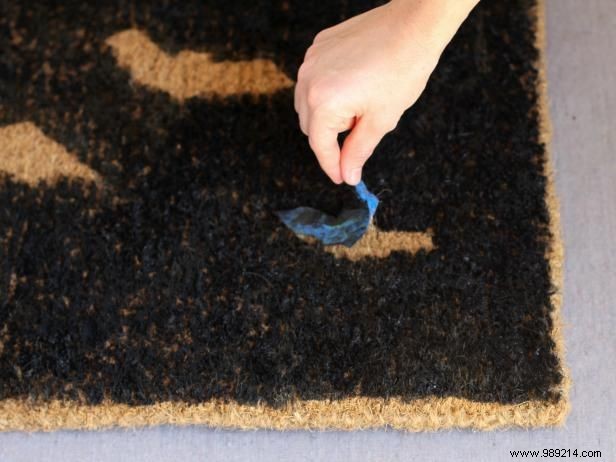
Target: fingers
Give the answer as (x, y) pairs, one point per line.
(322, 125)
(322, 116)
(359, 146)
(323, 139)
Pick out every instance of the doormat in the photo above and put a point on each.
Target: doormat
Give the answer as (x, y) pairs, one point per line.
(145, 277)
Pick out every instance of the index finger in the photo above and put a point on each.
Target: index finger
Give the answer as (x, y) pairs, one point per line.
(323, 139)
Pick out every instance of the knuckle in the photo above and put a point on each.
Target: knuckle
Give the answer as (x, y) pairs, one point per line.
(387, 124)
(309, 53)
(317, 146)
(357, 155)
(312, 141)
(363, 154)
(302, 125)
(320, 36)
(301, 72)
(391, 126)
(320, 95)
(296, 98)
(314, 95)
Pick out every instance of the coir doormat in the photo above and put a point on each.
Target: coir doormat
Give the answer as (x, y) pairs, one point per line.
(146, 279)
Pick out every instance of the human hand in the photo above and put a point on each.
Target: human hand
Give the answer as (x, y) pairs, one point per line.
(363, 73)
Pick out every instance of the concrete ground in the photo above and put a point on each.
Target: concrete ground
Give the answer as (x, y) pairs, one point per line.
(581, 74)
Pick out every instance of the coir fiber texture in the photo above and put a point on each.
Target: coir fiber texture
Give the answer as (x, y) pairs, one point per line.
(145, 277)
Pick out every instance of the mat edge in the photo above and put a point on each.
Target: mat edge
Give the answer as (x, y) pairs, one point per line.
(351, 413)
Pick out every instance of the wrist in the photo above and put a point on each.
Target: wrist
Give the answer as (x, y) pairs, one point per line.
(434, 21)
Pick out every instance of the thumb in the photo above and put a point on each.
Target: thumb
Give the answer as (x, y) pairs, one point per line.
(358, 147)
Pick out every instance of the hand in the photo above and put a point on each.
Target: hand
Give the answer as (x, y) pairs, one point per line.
(363, 74)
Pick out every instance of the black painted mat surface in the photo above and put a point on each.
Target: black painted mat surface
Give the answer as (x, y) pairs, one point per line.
(149, 266)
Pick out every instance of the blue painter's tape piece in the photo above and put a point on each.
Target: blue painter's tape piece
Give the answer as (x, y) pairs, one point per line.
(347, 228)
(370, 199)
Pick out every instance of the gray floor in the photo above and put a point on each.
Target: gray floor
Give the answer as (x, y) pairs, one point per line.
(581, 73)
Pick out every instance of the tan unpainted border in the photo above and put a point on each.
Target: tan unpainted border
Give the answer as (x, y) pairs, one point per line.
(189, 73)
(29, 155)
(347, 414)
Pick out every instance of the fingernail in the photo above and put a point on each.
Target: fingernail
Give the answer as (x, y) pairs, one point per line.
(354, 175)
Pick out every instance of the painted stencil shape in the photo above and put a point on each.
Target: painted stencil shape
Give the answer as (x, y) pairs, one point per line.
(346, 228)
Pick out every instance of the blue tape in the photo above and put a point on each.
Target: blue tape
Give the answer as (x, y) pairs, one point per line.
(347, 228)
